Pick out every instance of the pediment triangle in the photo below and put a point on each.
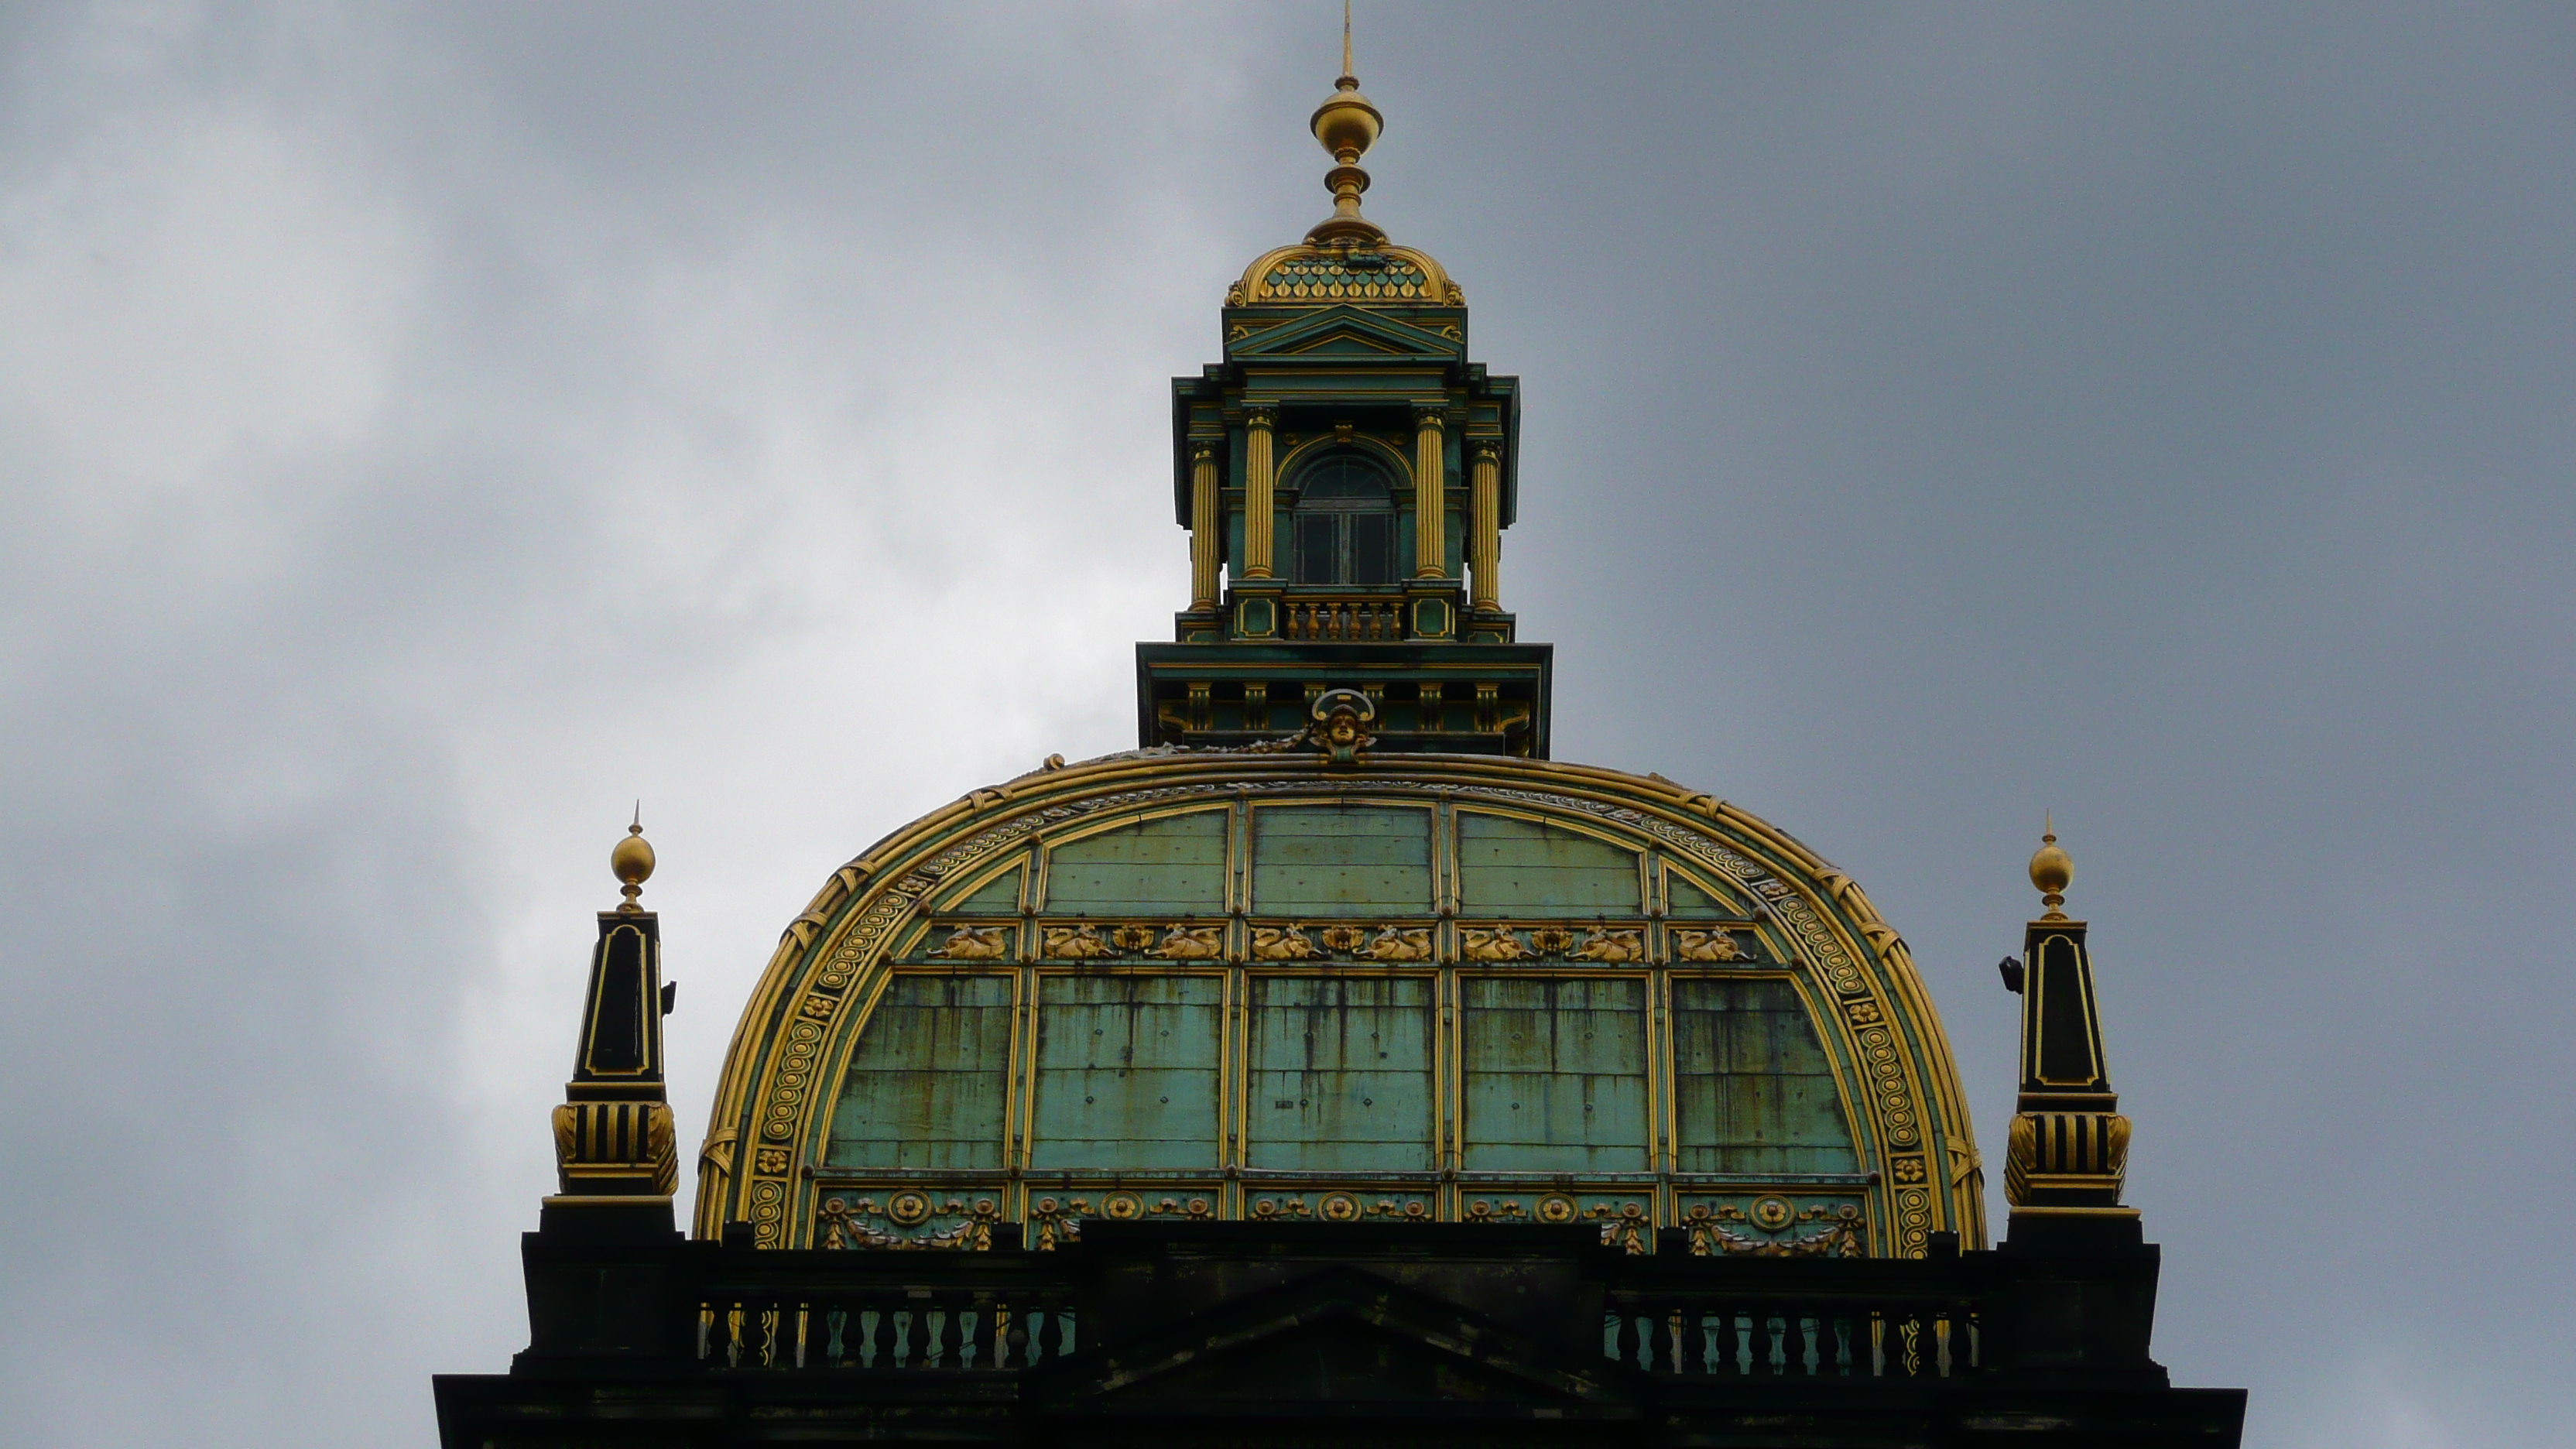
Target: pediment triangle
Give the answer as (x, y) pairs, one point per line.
(1345, 329)
(1346, 1343)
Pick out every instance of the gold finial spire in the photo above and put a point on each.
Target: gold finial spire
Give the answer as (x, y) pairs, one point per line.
(2051, 870)
(1347, 125)
(632, 860)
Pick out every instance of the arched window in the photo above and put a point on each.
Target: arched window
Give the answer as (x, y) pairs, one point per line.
(1344, 526)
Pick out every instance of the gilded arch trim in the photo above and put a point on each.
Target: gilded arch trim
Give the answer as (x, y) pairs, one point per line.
(1891, 1062)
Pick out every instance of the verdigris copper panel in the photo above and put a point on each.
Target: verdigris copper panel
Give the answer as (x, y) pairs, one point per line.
(1340, 860)
(1340, 1074)
(1688, 902)
(927, 1085)
(999, 896)
(1554, 1074)
(1174, 865)
(1752, 1087)
(1514, 867)
(1127, 1072)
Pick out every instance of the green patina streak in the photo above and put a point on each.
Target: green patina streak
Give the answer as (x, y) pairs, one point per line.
(922, 1090)
(1340, 1074)
(1555, 1075)
(1689, 903)
(999, 896)
(1510, 866)
(1127, 1071)
(1326, 860)
(1755, 1092)
(1171, 866)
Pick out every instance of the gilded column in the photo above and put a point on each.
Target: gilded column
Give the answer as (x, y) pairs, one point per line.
(1430, 469)
(1485, 550)
(1257, 508)
(1204, 548)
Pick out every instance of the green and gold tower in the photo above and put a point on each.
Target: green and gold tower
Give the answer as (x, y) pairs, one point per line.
(1346, 474)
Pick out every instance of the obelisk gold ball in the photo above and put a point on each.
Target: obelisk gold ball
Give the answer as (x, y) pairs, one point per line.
(632, 860)
(2050, 869)
(1347, 125)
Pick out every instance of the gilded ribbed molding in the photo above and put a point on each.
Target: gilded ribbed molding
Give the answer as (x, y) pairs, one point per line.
(1259, 484)
(1205, 548)
(1430, 475)
(1485, 550)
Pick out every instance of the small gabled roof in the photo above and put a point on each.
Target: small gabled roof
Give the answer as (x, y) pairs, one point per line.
(1344, 331)
(1340, 1345)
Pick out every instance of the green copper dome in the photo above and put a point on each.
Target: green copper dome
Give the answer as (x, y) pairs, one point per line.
(1258, 984)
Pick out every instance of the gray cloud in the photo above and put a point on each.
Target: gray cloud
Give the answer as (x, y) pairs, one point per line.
(422, 431)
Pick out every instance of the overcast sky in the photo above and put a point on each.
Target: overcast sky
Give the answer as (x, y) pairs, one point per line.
(425, 430)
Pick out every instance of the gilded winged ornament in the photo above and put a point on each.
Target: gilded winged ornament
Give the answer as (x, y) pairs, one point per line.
(1705, 946)
(1191, 943)
(1281, 943)
(1075, 943)
(1401, 943)
(1608, 945)
(977, 943)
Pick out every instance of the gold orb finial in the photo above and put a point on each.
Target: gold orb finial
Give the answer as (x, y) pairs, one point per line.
(2051, 870)
(631, 861)
(1347, 125)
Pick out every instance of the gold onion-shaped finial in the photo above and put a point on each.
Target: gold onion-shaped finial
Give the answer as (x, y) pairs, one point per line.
(632, 860)
(2051, 870)
(1347, 125)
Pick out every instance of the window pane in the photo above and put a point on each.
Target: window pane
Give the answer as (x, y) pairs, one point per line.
(1127, 1071)
(1315, 561)
(1344, 477)
(926, 1086)
(1340, 1074)
(1372, 548)
(1555, 1074)
(1756, 1093)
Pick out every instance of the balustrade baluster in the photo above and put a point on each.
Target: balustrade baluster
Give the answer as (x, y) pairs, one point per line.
(1877, 1345)
(1065, 1326)
(836, 1322)
(1941, 1338)
(1842, 1347)
(969, 1322)
(903, 1319)
(1611, 1332)
(803, 1312)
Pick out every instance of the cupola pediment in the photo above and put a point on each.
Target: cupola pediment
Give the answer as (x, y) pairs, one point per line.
(1345, 330)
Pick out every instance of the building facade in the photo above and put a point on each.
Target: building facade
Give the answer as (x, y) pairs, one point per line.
(1337, 1067)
